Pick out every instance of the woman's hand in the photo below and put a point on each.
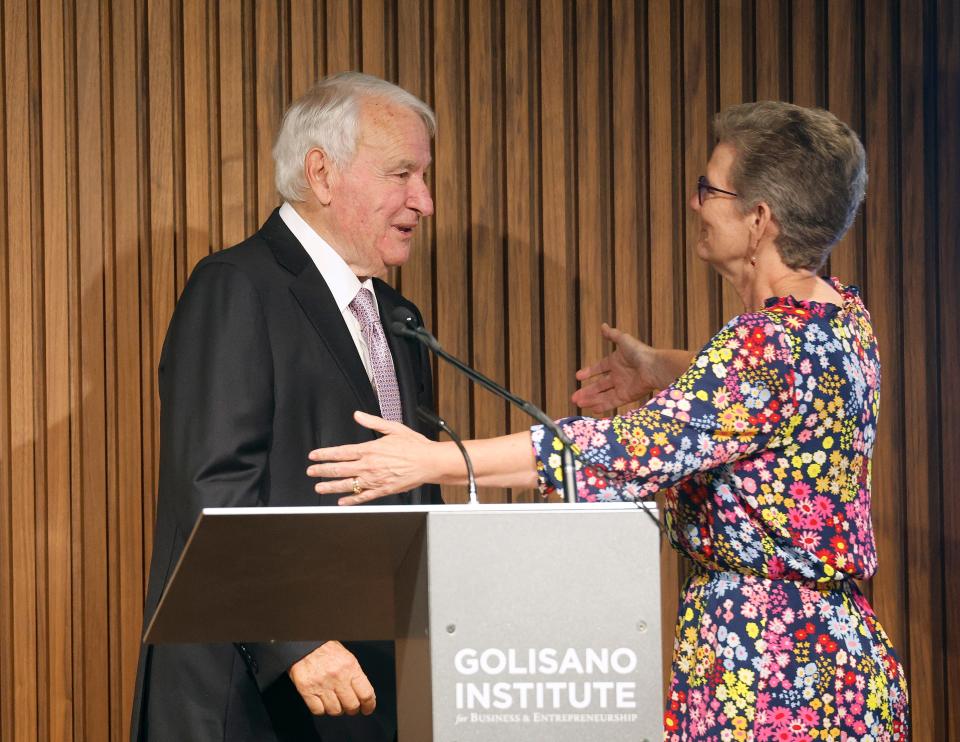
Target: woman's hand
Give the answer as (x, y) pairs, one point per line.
(396, 462)
(630, 372)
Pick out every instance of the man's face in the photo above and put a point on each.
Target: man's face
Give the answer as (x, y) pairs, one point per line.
(378, 198)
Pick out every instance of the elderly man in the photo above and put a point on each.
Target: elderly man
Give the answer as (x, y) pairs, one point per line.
(272, 346)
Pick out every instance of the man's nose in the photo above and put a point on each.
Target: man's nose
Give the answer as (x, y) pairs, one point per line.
(419, 198)
(694, 201)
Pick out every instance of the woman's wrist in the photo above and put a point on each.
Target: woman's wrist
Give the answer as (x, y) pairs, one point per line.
(445, 463)
(669, 364)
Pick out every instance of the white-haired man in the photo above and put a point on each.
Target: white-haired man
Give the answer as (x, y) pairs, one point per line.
(272, 346)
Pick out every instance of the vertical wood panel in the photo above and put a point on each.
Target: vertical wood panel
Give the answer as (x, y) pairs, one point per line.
(807, 32)
(233, 162)
(451, 316)
(948, 227)
(522, 197)
(303, 45)
(376, 51)
(486, 291)
(881, 219)
(72, 176)
(593, 172)
(628, 302)
(57, 721)
(136, 137)
(92, 594)
(843, 98)
(702, 284)
(196, 130)
(6, 479)
(342, 43)
(772, 50)
(924, 519)
(111, 545)
(22, 508)
(559, 306)
(268, 98)
(415, 68)
(129, 457)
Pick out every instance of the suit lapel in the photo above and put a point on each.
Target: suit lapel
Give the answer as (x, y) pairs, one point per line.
(314, 297)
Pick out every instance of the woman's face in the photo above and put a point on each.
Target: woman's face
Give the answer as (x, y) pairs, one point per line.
(724, 239)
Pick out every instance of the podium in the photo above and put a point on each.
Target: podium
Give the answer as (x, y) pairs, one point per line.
(511, 622)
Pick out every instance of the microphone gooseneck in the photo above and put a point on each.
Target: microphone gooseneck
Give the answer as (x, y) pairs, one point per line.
(431, 418)
(405, 324)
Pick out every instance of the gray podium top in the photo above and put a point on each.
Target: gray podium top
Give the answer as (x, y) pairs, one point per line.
(262, 574)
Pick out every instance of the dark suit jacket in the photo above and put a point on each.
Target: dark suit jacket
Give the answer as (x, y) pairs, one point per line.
(257, 369)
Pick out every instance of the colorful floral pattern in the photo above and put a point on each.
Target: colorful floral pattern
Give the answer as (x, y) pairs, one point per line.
(763, 448)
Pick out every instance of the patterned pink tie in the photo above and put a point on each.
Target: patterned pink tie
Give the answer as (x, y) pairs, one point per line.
(384, 375)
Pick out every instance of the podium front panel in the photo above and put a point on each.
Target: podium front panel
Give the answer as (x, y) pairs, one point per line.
(543, 624)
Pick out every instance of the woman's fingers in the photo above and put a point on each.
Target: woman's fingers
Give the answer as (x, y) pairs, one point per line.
(611, 333)
(372, 422)
(333, 486)
(363, 497)
(353, 451)
(336, 468)
(348, 452)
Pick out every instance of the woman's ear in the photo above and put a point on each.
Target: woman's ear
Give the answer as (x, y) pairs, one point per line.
(762, 224)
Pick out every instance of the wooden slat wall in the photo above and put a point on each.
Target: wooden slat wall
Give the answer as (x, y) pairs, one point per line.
(136, 139)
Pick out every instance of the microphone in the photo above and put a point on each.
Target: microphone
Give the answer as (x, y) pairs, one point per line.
(429, 417)
(404, 324)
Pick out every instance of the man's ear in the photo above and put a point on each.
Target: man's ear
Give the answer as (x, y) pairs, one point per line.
(320, 173)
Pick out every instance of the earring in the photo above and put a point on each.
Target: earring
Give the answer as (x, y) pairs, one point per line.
(753, 260)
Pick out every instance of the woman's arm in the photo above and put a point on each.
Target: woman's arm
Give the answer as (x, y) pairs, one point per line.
(402, 459)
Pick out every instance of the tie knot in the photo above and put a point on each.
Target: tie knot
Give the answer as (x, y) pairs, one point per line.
(363, 308)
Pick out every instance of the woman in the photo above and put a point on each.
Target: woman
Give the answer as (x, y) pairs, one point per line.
(762, 445)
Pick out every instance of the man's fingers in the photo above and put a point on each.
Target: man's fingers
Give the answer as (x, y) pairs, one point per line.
(315, 705)
(350, 703)
(365, 695)
(331, 702)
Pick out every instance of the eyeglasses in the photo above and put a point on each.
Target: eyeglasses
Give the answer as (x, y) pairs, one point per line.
(703, 186)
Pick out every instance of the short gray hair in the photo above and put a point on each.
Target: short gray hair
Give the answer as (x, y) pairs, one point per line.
(806, 164)
(328, 117)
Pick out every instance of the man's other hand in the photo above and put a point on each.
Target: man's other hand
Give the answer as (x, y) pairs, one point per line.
(331, 682)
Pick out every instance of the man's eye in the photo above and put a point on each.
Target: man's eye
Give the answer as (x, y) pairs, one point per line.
(403, 175)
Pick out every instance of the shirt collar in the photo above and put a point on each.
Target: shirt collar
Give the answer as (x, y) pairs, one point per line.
(341, 281)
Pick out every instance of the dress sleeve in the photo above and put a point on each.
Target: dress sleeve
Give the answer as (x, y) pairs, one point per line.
(737, 397)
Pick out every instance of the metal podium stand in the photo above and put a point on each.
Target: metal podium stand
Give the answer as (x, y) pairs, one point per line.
(512, 622)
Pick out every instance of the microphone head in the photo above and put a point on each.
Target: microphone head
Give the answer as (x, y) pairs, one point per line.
(405, 317)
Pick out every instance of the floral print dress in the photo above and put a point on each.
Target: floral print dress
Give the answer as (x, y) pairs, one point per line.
(763, 449)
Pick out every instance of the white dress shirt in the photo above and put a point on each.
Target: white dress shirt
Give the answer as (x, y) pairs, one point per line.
(341, 281)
